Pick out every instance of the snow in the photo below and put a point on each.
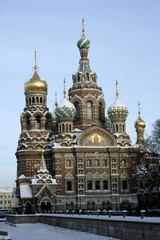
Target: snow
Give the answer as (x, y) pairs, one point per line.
(25, 191)
(40, 231)
(112, 218)
(6, 190)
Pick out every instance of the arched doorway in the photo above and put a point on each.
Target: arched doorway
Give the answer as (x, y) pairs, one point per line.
(28, 208)
(45, 207)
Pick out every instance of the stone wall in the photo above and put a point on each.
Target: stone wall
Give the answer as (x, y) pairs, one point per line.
(107, 227)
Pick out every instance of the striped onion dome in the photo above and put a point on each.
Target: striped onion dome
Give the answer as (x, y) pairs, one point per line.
(65, 109)
(83, 43)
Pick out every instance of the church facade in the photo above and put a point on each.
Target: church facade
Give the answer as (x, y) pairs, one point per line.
(88, 154)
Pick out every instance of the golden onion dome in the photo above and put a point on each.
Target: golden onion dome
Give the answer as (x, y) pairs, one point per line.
(35, 84)
(139, 124)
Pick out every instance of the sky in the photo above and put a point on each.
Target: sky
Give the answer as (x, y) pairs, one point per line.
(125, 46)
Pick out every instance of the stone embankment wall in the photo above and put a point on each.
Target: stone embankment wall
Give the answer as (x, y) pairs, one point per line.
(126, 230)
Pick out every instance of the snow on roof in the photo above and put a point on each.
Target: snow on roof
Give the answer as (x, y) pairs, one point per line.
(25, 191)
(6, 190)
(22, 176)
(77, 130)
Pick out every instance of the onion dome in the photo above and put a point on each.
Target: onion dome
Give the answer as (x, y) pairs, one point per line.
(83, 42)
(35, 83)
(139, 124)
(117, 109)
(65, 109)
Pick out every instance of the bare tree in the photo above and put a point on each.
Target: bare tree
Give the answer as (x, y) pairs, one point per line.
(153, 141)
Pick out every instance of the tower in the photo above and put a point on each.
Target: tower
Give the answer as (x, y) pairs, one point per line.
(65, 113)
(118, 113)
(35, 127)
(140, 126)
(85, 94)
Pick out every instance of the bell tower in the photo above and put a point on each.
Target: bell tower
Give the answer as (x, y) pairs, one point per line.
(85, 94)
(36, 122)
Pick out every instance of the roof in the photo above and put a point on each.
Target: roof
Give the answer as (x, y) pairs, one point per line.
(25, 191)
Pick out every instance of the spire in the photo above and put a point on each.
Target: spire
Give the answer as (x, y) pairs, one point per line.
(42, 166)
(117, 89)
(56, 99)
(83, 27)
(35, 57)
(139, 112)
(64, 88)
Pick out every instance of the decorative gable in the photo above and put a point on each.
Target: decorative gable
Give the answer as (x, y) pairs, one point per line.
(96, 136)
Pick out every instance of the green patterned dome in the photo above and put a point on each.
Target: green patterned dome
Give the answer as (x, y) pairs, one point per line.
(65, 109)
(117, 110)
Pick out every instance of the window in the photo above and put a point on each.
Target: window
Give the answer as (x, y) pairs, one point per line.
(96, 163)
(104, 163)
(68, 163)
(123, 163)
(97, 185)
(28, 123)
(116, 127)
(69, 186)
(89, 163)
(37, 122)
(100, 112)
(105, 184)
(89, 185)
(77, 110)
(89, 110)
(124, 184)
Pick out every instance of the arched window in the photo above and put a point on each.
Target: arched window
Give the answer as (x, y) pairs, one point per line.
(105, 184)
(116, 127)
(113, 128)
(28, 123)
(124, 184)
(33, 100)
(123, 128)
(87, 76)
(37, 122)
(100, 112)
(29, 100)
(40, 99)
(123, 163)
(70, 127)
(97, 185)
(63, 127)
(77, 110)
(89, 110)
(37, 100)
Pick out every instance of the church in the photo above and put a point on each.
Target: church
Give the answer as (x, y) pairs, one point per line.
(79, 157)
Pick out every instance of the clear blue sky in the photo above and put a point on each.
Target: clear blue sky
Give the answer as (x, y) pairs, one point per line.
(125, 46)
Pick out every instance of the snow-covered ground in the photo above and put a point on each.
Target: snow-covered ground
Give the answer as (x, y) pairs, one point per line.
(40, 231)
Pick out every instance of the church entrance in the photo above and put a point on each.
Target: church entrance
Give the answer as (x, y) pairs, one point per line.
(45, 207)
(28, 208)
